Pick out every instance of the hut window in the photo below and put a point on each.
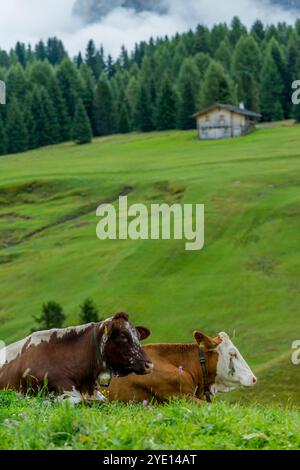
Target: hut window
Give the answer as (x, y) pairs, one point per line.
(222, 118)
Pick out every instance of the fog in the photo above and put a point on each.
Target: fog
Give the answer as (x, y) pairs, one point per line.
(30, 20)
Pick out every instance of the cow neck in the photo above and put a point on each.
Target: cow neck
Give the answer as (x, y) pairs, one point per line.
(99, 358)
(204, 370)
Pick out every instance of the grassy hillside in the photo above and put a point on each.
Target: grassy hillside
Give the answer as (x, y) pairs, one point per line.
(246, 280)
(39, 424)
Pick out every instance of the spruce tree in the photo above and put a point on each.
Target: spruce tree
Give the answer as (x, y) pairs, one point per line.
(296, 112)
(16, 82)
(51, 122)
(278, 54)
(224, 55)
(3, 146)
(89, 312)
(188, 87)
(246, 69)
(40, 73)
(82, 131)
(88, 96)
(131, 94)
(237, 30)
(60, 108)
(124, 120)
(52, 317)
(70, 85)
(104, 107)
(258, 31)
(271, 89)
(45, 128)
(216, 87)
(16, 131)
(166, 107)
(144, 110)
(29, 122)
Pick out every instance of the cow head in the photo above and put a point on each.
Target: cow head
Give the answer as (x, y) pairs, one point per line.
(231, 369)
(121, 349)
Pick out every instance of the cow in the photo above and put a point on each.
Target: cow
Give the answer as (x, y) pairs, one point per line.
(195, 371)
(71, 361)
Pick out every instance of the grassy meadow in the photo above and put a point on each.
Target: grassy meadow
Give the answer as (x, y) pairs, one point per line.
(38, 424)
(246, 281)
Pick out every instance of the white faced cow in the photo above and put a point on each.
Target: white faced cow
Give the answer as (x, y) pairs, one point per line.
(196, 371)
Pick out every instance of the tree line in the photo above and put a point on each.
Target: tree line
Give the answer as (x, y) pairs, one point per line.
(53, 98)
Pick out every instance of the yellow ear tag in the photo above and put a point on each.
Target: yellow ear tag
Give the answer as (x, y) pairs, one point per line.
(202, 345)
(106, 331)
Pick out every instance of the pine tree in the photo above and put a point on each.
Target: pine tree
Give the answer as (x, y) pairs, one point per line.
(188, 87)
(52, 317)
(89, 312)
(52, 131)
(166, 107)
(218, 34)
(105, 113)
(88, 96)
(70, 86)
(55, 51)
(246, 69)
(45, 128)
(131, 95)
(40, 73)
(296, 112)
(144, 110)
(3, 146)
(224, 55)
(124, 120)
(271, 89)
(29, 121)
(278, 55)
(258, 31)
(202, 39)
(237, 30)
(82, 131)
(21, 53)
(60, 108)
(16, 131)
(40, 51)
(216, 88)
(16, 82)
(292, 69)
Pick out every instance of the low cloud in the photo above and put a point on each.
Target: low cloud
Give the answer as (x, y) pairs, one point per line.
(31, 20)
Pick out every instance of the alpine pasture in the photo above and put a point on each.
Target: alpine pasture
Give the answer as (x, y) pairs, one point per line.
(245, 281)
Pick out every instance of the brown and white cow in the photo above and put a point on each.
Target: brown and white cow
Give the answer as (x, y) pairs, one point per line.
(178, 372)
(71, 361)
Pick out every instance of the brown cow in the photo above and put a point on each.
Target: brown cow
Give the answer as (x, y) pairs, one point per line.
(71, 360)
(196, 371)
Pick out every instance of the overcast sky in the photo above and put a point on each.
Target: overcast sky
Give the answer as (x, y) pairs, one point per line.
(30, 20)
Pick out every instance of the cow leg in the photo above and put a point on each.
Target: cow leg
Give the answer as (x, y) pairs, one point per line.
(74, 397)
(99, 397)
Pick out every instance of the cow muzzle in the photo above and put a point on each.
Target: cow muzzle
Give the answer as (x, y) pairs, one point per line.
(145, 369)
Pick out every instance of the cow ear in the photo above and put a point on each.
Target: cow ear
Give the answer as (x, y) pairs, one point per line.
(204, 341)
(143, 332)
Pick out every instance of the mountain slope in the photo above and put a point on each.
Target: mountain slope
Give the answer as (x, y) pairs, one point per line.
(245, 281)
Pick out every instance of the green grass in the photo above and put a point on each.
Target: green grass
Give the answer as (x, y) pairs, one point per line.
(38, 424)
(246, 281)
